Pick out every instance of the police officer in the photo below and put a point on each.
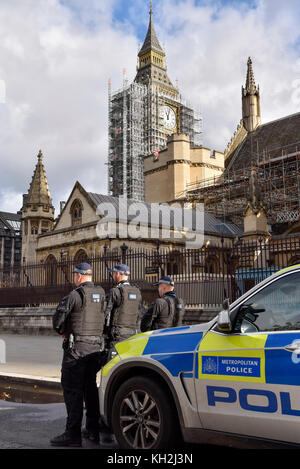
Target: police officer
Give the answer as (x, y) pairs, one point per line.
(123, 307)
(79, 318)
(165, 311)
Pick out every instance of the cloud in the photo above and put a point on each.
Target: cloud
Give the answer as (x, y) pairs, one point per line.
(10, 199)
(56, 71)
(56, 58)
(219, 38)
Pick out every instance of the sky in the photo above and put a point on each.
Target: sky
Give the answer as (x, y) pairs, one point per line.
(56, 57)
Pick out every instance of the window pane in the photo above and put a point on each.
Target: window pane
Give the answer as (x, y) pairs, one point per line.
(275, 308)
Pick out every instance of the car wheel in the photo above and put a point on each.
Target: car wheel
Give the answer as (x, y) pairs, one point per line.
(143, 416)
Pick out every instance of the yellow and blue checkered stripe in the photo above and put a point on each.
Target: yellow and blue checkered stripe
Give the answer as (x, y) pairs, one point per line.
(257, 358)
(254, 358)
(128, 349)
(232, 358)
(175, 351)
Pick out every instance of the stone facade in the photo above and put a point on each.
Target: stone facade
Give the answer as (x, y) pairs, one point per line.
(76, 237)
(255, 224)
(27, 320)
(178, 166)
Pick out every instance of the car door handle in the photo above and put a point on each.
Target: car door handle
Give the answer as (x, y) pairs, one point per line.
(295, 347)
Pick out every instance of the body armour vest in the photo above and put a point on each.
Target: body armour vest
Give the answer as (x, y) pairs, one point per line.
(89, 319)
(176, 311)
(126, 315)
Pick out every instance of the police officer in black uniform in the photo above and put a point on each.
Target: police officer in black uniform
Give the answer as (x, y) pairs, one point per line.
(79, 318)
(123, 307)
(166, 311)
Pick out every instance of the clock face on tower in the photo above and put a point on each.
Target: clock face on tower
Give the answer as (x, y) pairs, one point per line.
(168, 116)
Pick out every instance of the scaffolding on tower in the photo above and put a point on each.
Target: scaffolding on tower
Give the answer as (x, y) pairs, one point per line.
(278, 175)
(126, 146)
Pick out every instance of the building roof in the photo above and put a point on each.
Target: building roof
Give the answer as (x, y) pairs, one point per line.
(10, 222)
(212, 224)
(271, 138)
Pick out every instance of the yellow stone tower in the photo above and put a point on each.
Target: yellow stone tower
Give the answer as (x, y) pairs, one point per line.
(142, 116)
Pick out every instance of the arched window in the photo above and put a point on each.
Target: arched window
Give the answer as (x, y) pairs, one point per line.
(175, 263)
(76, 212)
(51, 270)
(34, 227)
(212, 265)
(80, 256)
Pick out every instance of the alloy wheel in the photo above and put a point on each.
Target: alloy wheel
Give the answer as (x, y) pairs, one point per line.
(140, 419)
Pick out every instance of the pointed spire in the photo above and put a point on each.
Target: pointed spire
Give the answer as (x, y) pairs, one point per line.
(39, 193)
(151, 41)
(151, 67)
(250, 101)
(250, 82)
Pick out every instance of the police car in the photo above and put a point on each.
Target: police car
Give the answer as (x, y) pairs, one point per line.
(238, 374)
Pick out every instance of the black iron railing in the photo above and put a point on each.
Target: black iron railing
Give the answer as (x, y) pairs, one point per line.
(202, 277)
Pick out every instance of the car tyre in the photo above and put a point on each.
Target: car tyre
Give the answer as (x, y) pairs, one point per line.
(143, 416)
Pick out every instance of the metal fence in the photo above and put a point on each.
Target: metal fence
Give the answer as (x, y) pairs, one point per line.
(203, 277)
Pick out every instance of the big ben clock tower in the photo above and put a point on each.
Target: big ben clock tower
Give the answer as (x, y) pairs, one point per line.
(142, 116)
(152, 71)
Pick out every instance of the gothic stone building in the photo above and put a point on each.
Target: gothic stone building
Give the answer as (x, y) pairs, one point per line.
(74, 234)
(272, 149)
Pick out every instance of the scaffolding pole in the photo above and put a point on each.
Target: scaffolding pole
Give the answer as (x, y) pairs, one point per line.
(227, 195)
(136, 130)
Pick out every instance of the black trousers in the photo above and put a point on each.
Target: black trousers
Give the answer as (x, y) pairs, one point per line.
(78, 380)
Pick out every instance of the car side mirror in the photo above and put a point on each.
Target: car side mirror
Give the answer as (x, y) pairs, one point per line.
(224, 323)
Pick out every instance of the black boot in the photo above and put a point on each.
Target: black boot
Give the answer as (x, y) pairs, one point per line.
(66, 440)
(91, 435)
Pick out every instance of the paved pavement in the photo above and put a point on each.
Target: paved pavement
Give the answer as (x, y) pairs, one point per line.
(31, 426)
(32, 355)
(28, 426)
